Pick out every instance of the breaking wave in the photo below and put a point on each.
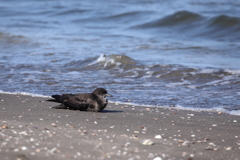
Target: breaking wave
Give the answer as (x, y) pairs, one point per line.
(130, 81)
(122, 66)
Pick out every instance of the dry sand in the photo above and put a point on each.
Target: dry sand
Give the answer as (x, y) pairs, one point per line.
(30, 130)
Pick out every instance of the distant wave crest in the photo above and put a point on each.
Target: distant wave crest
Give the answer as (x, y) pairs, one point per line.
(219, 27)
(8, 41)
(175, 19)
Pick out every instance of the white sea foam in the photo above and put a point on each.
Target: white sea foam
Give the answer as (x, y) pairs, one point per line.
(216, 109)
(104, 59)
(207, 71)
(229, 71)
(25, 93)
(30, 78)
(185, 82)
(235, 72)
(135, 74)
(192, 87)
(74, 73)
(224, 81)
(179, 107)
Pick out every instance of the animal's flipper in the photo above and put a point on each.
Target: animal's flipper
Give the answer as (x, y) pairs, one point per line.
(62, 106)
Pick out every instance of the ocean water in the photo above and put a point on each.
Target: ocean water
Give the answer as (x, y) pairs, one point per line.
(181, 53)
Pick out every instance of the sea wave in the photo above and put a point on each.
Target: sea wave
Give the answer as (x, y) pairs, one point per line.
(105, 62)
(221, 27)
(127, 17)
(152, 84)
(122, 66)
(178, 18)
(71, 12)
(8, 40)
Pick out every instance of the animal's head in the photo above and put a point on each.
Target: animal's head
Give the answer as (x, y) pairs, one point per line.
(102, 92)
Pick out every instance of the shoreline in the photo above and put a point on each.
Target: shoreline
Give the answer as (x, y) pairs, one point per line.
(217, 110)
(29, 129)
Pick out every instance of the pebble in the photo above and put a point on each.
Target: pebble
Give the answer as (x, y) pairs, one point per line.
(186, 143)
(126, 144)
(112, 126)
(157, 158)
(212, 144)
(184, 154)
(209, 148)
(23, 148)
(54, 125)
(229, 148)
(32, 153)
(147, 142)
(16, 150)
(31, 139)
(53, 150)
(4, 127)
(158, 137)
(180, 141)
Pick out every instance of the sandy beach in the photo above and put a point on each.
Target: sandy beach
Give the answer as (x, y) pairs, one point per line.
(30, 129)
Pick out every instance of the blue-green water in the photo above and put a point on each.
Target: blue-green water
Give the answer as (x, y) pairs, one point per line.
(167, 53)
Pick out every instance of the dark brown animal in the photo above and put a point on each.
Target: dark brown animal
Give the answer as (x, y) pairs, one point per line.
(95, 101)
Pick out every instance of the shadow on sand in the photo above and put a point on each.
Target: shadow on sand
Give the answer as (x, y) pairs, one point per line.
(110, 111)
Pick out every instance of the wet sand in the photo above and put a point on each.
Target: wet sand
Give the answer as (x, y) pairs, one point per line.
(29, 129)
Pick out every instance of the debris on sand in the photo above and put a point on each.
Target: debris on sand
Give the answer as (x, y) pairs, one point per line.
(228, 148)
(157, 158)
(147, 142)
(186, 143)
(158, 137)
(54, 125)
(4, 127)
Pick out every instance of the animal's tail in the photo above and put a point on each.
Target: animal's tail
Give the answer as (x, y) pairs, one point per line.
(58, 98)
